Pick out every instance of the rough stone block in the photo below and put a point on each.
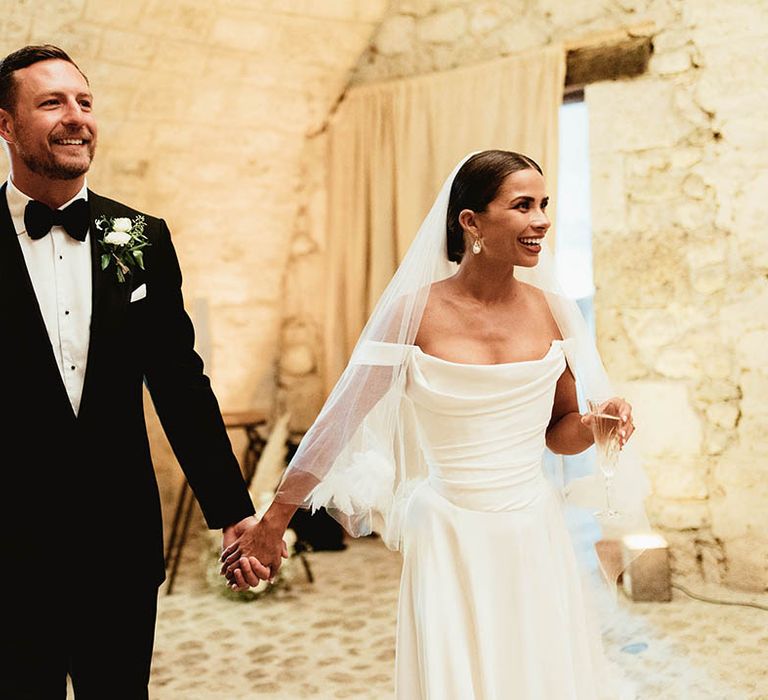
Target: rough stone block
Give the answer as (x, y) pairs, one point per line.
(747, 562)
(417, 8)
(717, 440)
(684, 555)
(357, 10)
(112, 14)
(709, 279)
(607, 191)
(723, 415)
(716, 362)
(15, 31)
(181, 19)
(712, 561)
(740, 511)
(671, 63)
(647, 286)
(677, 363)
(443, 27)
(712, 21)
(653, 329)
(616, 347)
(395, 35)
(745, 313)
(754, 390)
(752, 349)
(678, 515)
(678, 478)
(614, 105)
(175, 57)
(750, 213)
(484, 17)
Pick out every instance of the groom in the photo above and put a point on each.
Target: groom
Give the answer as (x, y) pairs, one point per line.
(81, 531)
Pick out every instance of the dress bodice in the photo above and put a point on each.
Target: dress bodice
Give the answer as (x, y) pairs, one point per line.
(482, 427)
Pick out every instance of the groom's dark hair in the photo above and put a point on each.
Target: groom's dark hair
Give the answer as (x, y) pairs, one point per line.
(475, 187)
(21, 59)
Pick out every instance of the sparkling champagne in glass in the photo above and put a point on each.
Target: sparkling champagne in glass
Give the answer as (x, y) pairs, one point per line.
(606, 424)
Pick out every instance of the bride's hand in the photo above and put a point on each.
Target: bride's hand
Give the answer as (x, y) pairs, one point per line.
(616, 406)
(254, 556)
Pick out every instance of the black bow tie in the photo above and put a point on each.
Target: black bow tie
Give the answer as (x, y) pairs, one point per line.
(39, 218)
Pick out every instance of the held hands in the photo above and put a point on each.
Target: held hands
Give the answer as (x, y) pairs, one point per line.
(252, 551)
(615, 406)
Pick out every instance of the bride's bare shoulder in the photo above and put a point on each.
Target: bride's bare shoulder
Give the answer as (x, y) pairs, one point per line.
(540, 308)
(439, 309)
(439, 291)
(534, 293)
(441, 299)
(440, 286)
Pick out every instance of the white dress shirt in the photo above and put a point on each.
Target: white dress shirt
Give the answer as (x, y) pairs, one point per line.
(60, 269)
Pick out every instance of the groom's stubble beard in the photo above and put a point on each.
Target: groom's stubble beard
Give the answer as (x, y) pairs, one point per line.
(47, 164)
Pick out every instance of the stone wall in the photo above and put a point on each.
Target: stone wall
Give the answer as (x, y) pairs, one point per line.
(678, 159)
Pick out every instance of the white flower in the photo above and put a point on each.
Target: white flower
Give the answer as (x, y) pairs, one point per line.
(122, 224)
(118, 237)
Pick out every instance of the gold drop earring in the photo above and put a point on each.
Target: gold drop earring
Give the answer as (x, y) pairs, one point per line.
(477, 246)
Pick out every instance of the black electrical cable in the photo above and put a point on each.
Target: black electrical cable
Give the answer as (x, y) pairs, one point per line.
(717, 601)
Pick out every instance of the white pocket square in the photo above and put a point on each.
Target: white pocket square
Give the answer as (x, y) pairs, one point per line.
(139, 293)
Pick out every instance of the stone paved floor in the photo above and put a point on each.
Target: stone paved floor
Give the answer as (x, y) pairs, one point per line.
(335, 638)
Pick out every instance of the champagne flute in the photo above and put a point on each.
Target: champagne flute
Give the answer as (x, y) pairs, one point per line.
(606, 425)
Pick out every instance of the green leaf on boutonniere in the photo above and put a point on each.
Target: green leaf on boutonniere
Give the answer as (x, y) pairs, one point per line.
(105, 261)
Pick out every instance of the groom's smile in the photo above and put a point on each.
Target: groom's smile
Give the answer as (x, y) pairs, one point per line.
(73, 145)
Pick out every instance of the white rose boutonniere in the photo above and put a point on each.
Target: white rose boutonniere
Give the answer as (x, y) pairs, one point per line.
(123, 241)
(122, 224)
(117, 238)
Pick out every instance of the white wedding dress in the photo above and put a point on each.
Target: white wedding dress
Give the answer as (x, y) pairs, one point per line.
(491, 600)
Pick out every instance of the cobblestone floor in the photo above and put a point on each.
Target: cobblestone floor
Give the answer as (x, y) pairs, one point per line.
(334, 638)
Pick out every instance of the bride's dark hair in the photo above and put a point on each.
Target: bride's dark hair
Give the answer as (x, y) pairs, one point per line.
(475, 186)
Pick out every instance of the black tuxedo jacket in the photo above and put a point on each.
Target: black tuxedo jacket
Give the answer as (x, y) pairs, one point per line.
(79, 494)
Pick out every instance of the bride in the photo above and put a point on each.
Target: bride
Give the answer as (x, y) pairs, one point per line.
(470, 367)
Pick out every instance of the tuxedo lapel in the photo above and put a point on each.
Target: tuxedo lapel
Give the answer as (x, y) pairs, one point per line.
(23, 320)
(109, 298)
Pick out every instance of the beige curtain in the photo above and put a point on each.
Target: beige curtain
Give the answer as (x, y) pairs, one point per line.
(390, 147)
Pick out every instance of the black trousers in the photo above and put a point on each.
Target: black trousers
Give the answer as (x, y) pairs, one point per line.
(101, 638)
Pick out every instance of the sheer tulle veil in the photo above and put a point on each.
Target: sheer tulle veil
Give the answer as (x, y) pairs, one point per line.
(361, 458)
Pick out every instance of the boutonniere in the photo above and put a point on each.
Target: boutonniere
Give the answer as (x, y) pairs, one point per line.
(123, 241)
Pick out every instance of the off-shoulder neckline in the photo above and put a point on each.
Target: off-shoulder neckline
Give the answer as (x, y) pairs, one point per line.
(552, 346)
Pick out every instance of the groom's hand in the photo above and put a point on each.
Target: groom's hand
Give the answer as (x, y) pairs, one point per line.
(254, 570)
(259, 548)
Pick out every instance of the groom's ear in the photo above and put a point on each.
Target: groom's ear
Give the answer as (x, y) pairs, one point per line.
(6, 126)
